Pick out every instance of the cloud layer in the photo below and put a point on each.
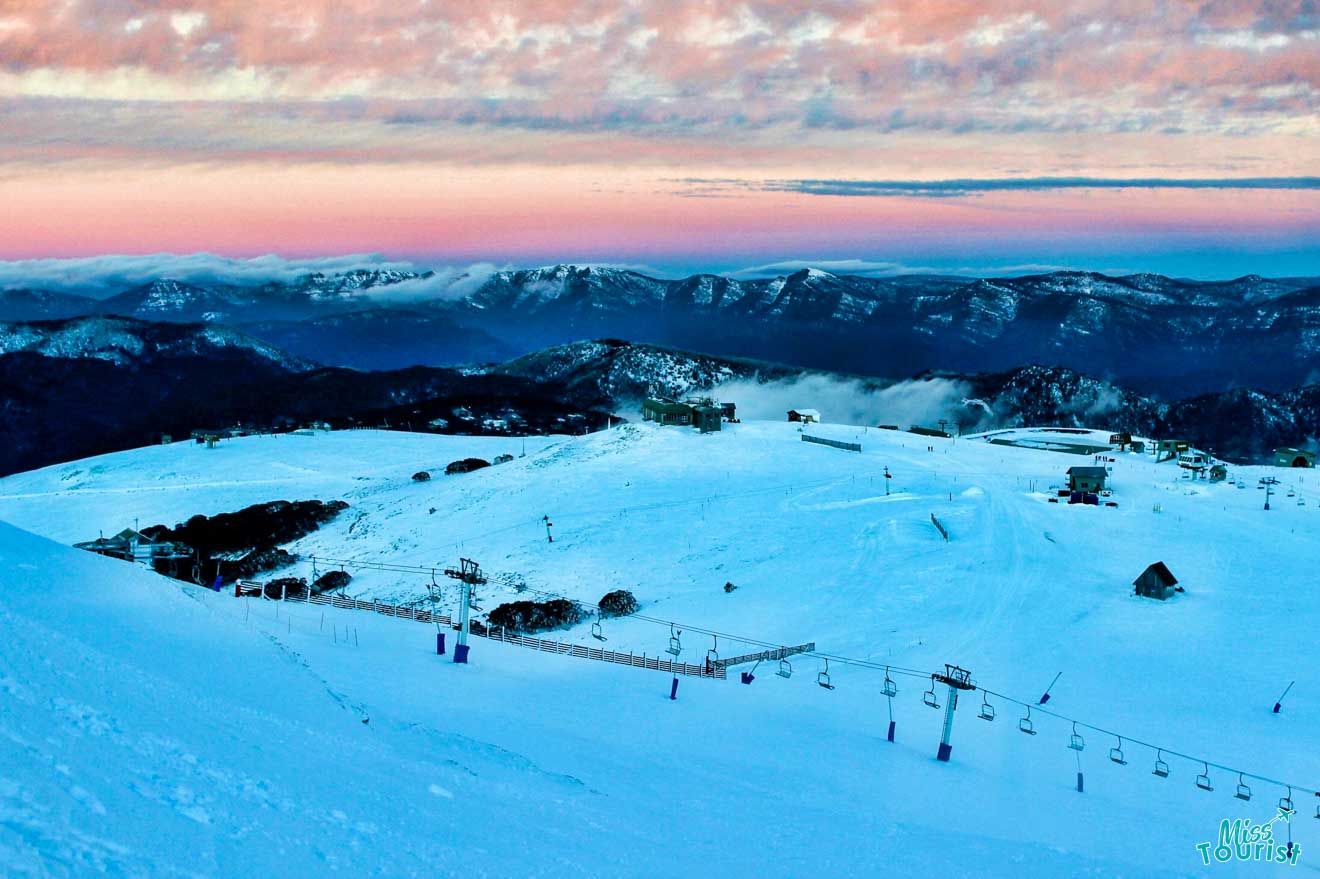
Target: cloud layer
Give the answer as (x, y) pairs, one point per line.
(962, 188)
(544, 130)
(372, 74)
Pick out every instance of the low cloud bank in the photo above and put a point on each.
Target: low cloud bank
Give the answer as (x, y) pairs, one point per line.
(107, 275)
(102, 276)
(446, 282)
(856, 401)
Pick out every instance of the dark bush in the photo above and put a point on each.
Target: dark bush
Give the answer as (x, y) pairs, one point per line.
(729, 587)
(521, 617)
(285, 587)
(421, 476)
(618, 603)
(332, 580)
(465, 465)
(271, 558)
(260, 525)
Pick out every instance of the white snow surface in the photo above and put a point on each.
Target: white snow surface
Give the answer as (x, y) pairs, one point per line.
(153, 728)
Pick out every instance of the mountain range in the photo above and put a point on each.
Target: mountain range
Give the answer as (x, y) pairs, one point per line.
(1158, 335)
(83, 386)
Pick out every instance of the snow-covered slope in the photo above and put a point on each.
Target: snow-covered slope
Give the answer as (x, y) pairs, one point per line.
(567, 767)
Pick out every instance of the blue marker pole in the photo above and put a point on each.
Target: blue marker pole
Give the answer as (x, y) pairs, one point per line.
(673, 690)
(1279, 703)
(890, 699)
(439, 643)
(1045, 697)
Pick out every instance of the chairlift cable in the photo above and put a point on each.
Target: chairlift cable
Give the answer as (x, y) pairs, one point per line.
(1160, 749)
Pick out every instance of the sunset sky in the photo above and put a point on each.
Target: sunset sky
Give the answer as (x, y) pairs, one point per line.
(984, 136)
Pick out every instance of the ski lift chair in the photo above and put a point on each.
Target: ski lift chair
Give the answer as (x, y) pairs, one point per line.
(675, 645)
(928, 697)
(1025, 724)
(785, 669)
(596, 632)
(1116, 754)
(1243, 792)
(823, 678)
(1076, 742)
(891, 689)
(1161, 768)
(712, 655)
(1285, 802)
(1203, 780)
(987, 710)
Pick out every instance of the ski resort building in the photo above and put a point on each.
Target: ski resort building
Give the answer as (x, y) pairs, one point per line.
(134, 546)
(666, 412)
(806, 416)
(705, 415)
(1088, 480)
(1157, 581)
(1170, 449)
(1293, 458)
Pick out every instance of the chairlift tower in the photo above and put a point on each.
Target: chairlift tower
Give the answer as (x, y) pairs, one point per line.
(469, 574)
(1268, 484)
(956, 679)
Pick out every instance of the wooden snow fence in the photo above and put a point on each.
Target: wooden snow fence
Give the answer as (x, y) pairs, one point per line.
(939, 526)
(542, 645)
(836, 444)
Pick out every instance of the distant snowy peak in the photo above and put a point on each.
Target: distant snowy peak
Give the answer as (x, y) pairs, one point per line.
(347, 285)
(584, 287)
(125, 341)
(168, 299)
(310, 295)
